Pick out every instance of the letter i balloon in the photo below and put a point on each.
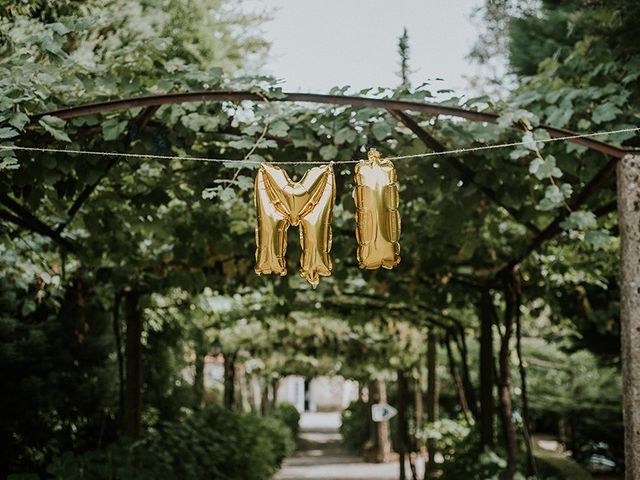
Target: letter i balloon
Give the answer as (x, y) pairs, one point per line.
(377, 217)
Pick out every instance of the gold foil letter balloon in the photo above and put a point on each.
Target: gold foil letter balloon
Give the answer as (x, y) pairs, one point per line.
(377, 217)
(308, 204)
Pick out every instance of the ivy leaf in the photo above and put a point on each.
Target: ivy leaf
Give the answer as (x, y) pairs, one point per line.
(579, 220)
(196, 121)
(545, 168)
(345, 135)
(597, 238)
(242, 143)
(329, 152)
(9, 163)
(18, 120)
(54, 125)
(554, 196)
(381, 130)
(559, 117)
(6, 132)
(605, 113)
(279, 128)
(244, 182)
(112, 129)
(518, 116)
(59, 28)
(519, 153)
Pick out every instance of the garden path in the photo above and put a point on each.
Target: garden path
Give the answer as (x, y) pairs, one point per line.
(322, 456)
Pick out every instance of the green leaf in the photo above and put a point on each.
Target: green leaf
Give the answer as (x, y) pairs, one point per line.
(196, 121)
(9, 163)
(54, 125)
(605, 113)
(346, 135)
(579, 220)
(554, 196)
(113, 128)
(18, 120)
(59, 28)
(242, 143)
(381, 130)
(279, 128)
(329, 152)
(6, 132)
(519, 153)
(545, 168)
(559, 117)
(518, 116)
(597, 238)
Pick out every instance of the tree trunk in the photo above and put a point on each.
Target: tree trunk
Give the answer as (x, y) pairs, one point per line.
(457, 382)
(531, 463)
(265, 406)
(419, 403)
(469, 390)
(275, 385)
(629, 220)
(487, 403)
(432, 398)
(419, 415)
(229, 380)
(402, 422)
(133, 364)
(508, 427)
(381, 451)
(239, 383)
(251, 393)
(307, 394)
(198, 376)
(117, 334)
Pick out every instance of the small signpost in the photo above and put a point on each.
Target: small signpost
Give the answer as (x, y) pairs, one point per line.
(381, 412)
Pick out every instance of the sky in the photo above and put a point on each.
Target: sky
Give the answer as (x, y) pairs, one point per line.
(319, 44)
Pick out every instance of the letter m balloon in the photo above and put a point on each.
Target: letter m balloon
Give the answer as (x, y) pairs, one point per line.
(280, 203)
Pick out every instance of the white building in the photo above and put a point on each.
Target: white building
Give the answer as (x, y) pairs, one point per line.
(320, 394)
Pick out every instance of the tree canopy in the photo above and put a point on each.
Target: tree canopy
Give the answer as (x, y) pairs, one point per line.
(526, 236)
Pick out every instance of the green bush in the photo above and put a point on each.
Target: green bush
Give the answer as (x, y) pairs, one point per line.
(282, 442)
(210, 444)
(355, 426)
(288, 414)
(464, 457)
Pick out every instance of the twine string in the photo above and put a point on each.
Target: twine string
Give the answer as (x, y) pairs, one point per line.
(249, 161)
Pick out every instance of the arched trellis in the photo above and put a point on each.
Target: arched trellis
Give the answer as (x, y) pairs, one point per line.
(628, 206)
(398, 109)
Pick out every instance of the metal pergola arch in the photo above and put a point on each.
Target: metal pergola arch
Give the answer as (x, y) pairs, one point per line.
(627, 161)
(353, 101)
(397, 109)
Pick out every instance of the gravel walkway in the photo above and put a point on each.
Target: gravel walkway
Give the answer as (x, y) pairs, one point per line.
(321, 455)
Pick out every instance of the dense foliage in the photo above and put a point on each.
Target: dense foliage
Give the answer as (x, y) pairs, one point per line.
(211, 443)
(100, 256)
(288, 414)
(354, 427)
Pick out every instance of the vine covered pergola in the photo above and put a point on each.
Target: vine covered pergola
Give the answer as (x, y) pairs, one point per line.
(625, 161)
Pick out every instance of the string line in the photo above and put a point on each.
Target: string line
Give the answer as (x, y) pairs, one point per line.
(248, 161)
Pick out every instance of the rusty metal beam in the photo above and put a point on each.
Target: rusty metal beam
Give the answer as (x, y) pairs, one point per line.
(136, 125)
(574, 203)
(388, 104)
(467, 174)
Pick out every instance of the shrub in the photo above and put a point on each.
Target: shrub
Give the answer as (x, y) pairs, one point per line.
(355, 426)
(210, 444)
(288, 414)
(464, 458)
(282, 442)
